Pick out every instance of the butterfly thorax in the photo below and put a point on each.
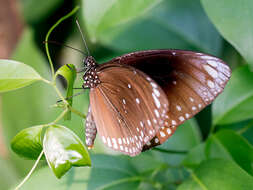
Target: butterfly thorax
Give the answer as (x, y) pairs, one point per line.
(90, 77)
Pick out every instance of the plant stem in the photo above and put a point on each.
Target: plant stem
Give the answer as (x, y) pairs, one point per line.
(31, 171)
(59, 94)
(77, 112)
(170, 151)
(212, 129)
(60, 116)
(244, 129)
(50, 31)
(46, 81)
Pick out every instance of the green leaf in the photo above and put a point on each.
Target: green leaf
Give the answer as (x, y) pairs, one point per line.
(27, 143)
(146, 162)
(185, 138)
(63, 149)
(234, 21)
(69, 73)
(112, 172)
(31, 105)
(136, 24)
(218, 174)
(227, 144)
(195, 156)
(236, 102)
(76, 178)
(14, 75)
(107, 172)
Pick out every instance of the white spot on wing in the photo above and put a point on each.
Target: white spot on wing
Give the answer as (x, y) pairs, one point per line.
(212, 63)
(115, 146)
(210, 84)
(178, 108)
(157, 93)
(137, 100)
(153, 84)
(162, 134)
(109, 142)
(181, 118)
(212, 72)
(156, 113)
(157, 102)
(169, 131)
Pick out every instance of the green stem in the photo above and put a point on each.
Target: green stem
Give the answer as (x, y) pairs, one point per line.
(170, 151)
(59, 94)
(212, 129)
(244, 129)
(46, 81)
(50, 31)
(31, 171)
(77, 112)
(60, 116)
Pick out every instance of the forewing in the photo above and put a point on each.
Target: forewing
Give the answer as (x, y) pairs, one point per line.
(128, 107)
(190, 80)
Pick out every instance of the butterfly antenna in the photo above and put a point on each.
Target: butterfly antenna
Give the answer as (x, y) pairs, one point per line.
(79, 28)
(77, 94)
(57, 43)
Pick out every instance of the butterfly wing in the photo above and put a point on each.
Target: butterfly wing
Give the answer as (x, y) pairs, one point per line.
(190, 80)
(128, 107)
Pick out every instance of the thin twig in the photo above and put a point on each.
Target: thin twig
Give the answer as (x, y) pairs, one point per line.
(50, 31)
(170, 151)
(77, 112)
(31, 171)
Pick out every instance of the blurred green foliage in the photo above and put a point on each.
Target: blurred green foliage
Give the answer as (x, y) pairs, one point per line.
(218, 158)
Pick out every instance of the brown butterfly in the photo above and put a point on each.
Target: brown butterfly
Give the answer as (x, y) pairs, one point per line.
(137, 100)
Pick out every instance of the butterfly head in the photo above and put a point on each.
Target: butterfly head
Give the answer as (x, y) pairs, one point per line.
(89, 62)
(90, 76)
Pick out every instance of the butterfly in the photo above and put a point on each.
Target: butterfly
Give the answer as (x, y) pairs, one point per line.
(137, 100)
